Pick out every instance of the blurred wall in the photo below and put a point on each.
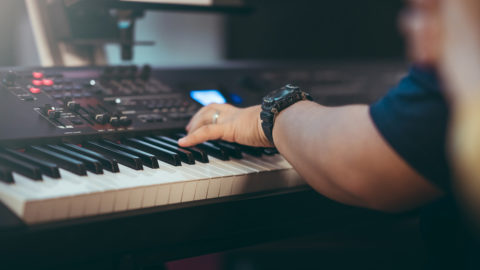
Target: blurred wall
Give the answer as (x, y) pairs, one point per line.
(181, 38)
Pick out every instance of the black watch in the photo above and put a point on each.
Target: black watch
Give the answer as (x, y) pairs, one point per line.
(277, 101)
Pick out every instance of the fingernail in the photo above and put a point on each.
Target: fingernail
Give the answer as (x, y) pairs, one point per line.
(182, 140)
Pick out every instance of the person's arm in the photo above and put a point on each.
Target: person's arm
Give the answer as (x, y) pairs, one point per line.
(338, 151)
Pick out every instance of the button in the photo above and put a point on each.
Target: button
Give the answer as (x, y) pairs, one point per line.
(35, 90)
(37, 75)
(37, 82)
(48, 82)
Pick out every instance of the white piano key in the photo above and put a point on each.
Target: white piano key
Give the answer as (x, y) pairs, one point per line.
(202, 189)
(77, 206)
(61, 208)
(149, 196)
(214, 187)
(176, 192)
(163, 195)
(188, 193)
(135, 198)
(92, 204)
(226, 187)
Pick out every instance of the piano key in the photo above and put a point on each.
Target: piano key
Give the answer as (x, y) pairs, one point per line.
(63, 161)
(270, 151)
(21, 167)
(213, 150)
(147, 158)
(124, 158)
(6, 175)
(231, 149)
(91, 164)
(162, 154)
(253, 151)
(198, 154)
(185, 156)
(48, 168)
(107, 163)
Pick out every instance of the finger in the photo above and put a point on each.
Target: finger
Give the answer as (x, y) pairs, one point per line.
(205, 116)
(200, 119)
(203, 134)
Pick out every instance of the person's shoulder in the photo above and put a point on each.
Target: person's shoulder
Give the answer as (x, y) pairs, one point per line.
(421, 78)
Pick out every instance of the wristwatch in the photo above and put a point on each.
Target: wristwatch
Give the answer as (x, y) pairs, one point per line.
(277, 101)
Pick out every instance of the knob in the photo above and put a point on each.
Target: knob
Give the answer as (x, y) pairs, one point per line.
(101, 118)
(50, 111)
(125, 121)
(114, 121)
(10, 78)
(73, 106)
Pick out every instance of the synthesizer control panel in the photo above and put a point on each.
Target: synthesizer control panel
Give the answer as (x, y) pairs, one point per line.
(40, 103)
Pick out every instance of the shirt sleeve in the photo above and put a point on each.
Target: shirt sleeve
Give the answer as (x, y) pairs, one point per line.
(413, 119)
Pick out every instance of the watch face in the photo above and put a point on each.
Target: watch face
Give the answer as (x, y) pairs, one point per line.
(279, 94)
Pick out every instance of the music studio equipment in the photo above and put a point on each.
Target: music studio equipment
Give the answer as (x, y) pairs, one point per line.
(92, 142)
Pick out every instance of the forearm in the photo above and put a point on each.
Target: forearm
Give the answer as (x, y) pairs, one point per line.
(339, 152)
(308, 136)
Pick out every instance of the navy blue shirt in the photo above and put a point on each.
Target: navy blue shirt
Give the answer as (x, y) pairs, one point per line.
(413, 118)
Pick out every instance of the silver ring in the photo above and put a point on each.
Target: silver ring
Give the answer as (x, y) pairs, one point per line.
(215, 117)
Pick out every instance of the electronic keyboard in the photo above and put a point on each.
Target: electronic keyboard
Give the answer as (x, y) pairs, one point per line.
(78, 142)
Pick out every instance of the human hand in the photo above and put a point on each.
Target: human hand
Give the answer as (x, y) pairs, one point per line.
(238, 125)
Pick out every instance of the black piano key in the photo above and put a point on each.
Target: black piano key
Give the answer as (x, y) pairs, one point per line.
(214, 150)
(161, 153)
(21, 167)
(6, 175)
(109, 164)
(70, 164)
(91, 164)
(231, 149)
(147, 158)
(48, 168)
(270, 151)
(185, 155)
(253, 151)
(123, 158)
(198, 153)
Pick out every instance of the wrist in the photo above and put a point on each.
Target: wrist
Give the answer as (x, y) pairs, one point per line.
(261, 137)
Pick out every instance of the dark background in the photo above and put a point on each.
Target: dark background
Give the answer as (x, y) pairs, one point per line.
(319, 29)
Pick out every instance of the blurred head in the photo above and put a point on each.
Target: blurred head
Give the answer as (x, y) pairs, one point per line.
(420, 24)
